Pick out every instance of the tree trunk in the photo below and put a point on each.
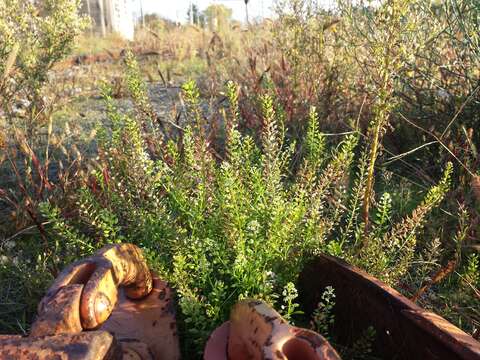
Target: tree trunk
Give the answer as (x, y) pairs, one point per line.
(89, 11)
(102, 18)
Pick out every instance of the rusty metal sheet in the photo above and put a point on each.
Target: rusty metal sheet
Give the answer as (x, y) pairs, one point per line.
(150, 321)
(94, 345)
(113, 291)
(60, 314)
(403, 329)
(257, 332)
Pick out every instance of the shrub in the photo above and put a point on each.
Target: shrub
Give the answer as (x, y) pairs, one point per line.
(34, 36)
(241, 226)
(230, 200)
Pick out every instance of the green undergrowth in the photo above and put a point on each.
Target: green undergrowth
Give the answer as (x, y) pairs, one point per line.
(241, 224)
(231, 195)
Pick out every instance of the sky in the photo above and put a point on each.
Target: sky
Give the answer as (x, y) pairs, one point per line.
(177, 9)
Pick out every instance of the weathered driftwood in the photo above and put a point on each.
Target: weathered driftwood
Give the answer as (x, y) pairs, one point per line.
(403, 329)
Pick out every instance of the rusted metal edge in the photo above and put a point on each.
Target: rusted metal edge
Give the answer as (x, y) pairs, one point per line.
(94, 345)
(404, 330)
(446, 332)
(256, 331)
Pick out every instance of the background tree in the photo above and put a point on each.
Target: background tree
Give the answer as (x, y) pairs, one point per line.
(195, 17)
(217, 17)
(102, 18)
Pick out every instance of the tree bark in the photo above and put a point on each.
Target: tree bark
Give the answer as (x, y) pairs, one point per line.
(102, 18)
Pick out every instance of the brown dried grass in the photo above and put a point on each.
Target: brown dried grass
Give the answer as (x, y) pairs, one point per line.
(476, 186)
